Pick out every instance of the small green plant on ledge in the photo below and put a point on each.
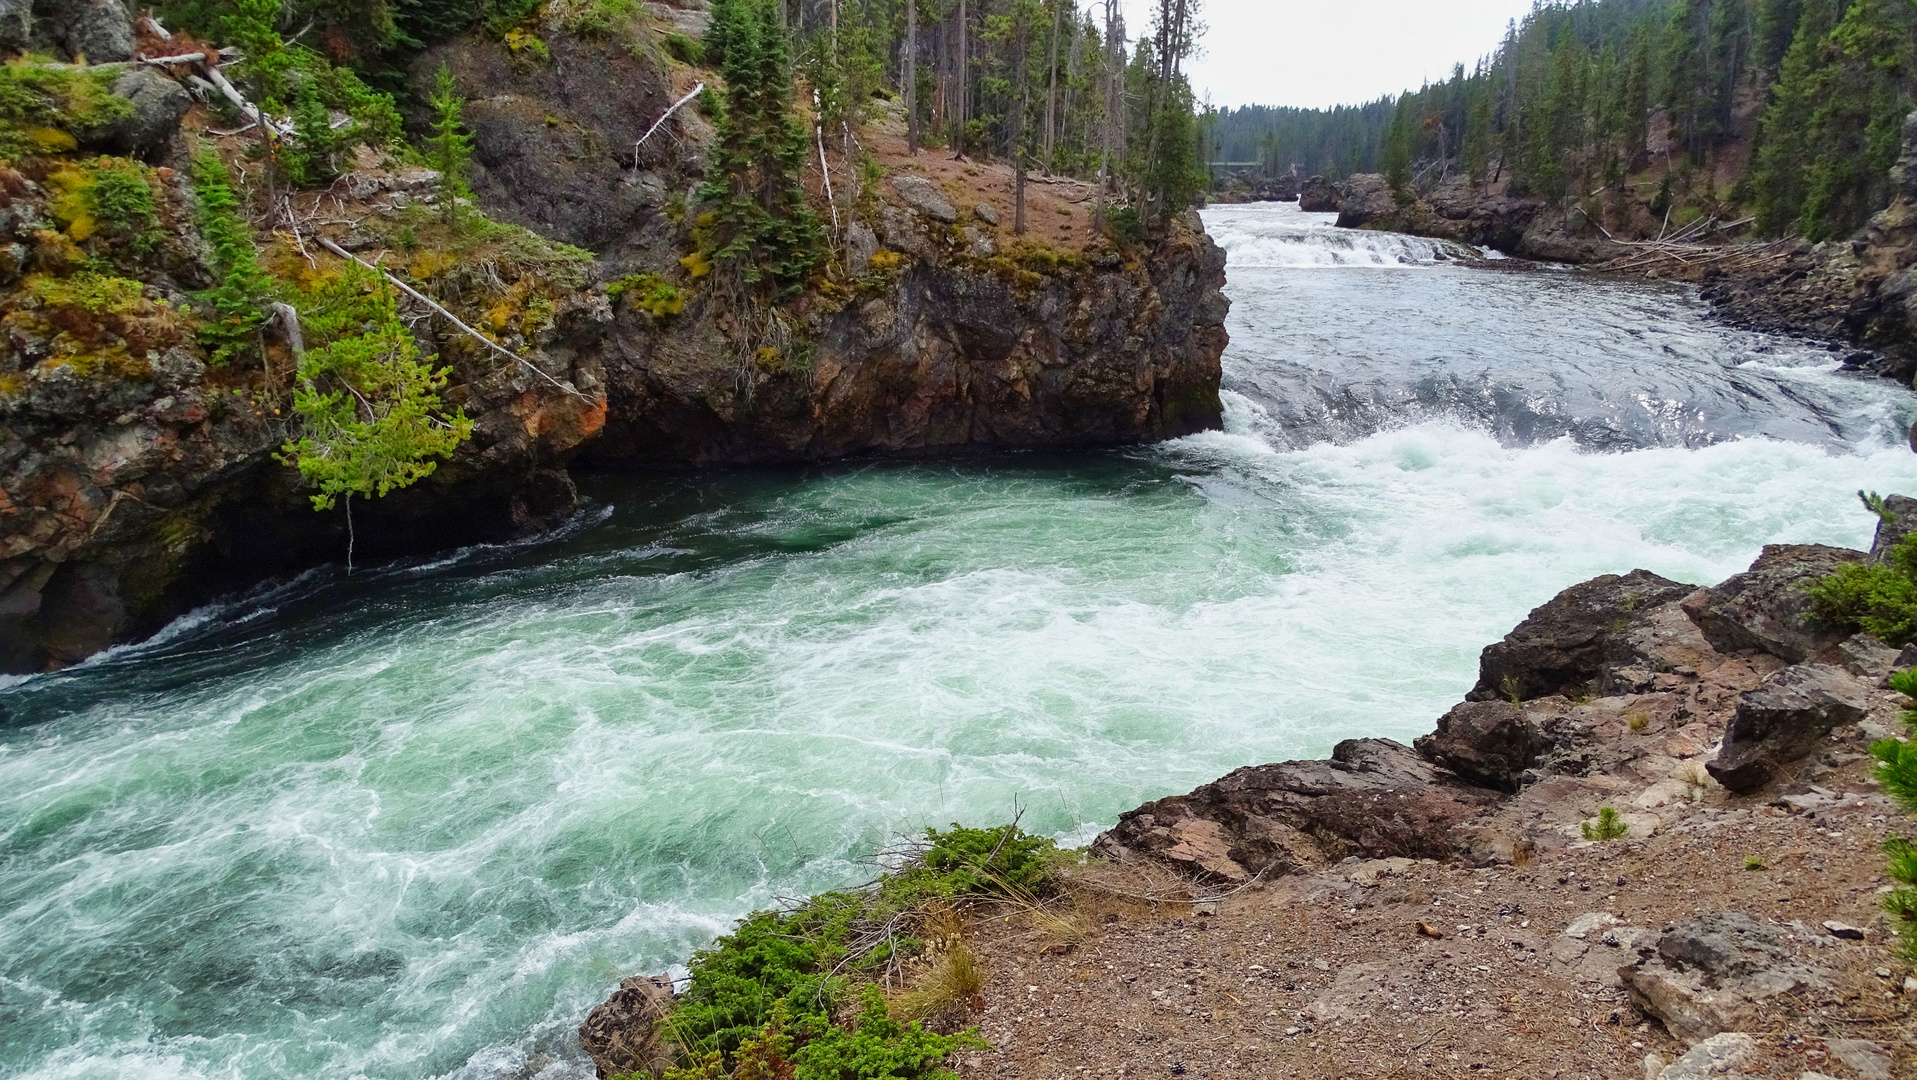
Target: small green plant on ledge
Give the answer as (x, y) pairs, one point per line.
(1608, 826)
(1897, 771)
(1752, 862)
(1880, 600)
(650, 293)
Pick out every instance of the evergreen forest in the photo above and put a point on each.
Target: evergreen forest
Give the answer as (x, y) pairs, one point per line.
(1789, 111)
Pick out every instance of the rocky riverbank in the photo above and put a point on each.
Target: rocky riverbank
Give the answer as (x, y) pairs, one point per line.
(1441, 909)
(1855, 292)
(138, 478)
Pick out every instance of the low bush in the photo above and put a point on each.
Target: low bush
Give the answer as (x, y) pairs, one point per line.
(1878, 599)
(786, 984)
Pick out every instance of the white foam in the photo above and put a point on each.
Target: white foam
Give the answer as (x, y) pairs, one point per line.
(1279, 236)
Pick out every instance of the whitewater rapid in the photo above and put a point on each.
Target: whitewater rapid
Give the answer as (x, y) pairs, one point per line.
(413, 823)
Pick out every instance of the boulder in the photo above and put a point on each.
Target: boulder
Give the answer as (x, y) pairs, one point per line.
(1375, 798)
(1719, 1055)
(100, 30)
(985, 212)
(1319, 196)
(861, 243)
(1570, 640)
(1765, 608)
(621, 1033)
(1783, 720)
(1891, 530)
(924, 196)
(159, 103)
(16, 25)
(1367, 198)
(1709, 974)
(1486, 742)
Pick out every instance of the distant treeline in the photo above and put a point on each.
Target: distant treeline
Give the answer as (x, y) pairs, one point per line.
(1578, 93)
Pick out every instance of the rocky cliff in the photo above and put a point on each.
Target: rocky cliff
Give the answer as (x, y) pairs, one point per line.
(138, 478)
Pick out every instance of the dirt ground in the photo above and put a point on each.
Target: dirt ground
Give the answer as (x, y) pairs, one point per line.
(1328, 975)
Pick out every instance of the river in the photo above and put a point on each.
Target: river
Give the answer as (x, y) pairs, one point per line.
(413, 822)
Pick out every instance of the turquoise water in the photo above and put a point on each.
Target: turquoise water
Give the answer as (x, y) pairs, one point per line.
(415, 822)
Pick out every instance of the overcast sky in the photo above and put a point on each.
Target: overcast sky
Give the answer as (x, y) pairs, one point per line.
(1334, 52)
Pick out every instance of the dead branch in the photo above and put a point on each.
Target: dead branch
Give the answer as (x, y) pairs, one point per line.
(663, 117)
(454, 319)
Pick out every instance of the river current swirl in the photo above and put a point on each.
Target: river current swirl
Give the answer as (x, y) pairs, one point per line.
(413, 823)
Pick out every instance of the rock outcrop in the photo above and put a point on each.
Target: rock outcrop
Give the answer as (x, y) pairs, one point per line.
(962, 352)
(1375, 799)
(621, 1033)
(1707, 974)
(1765, 608)
(1319, 196)
(138, 486)
(1783, 720)
(1615, 692)
(1490, 743)
(1571, 642)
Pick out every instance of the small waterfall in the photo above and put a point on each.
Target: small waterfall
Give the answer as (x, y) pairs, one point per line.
(1267, 240)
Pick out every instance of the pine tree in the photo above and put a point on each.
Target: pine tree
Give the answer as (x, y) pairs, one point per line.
(760, 226)
(449, 147)
(1397, 149)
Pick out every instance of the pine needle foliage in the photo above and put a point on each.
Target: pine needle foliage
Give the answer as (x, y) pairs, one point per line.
(237, 299)
(1608, 826)
(786, 974)
(369, 407)
(756, 219)
(1878, 599)
(449, 148)
(1897, 771)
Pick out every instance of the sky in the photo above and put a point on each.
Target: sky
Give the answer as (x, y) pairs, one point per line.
(1334, 52)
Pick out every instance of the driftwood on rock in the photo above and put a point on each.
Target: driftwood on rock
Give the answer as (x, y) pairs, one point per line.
(663, 117)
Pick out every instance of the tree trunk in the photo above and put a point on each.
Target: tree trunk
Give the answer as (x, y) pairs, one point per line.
(1018, 134)
(912, 76)
(1051, 89)
(958, 127)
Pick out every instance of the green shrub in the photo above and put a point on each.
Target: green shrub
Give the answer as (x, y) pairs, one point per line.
(1002, 860)
(369, 408)
(121, 200)
(1897, 771)
(684, 49)
(44, 109)
(237, 299)
(1608, 826)
(1126, 226)
(783, 973)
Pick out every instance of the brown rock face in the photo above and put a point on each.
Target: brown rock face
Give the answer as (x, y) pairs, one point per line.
(554, 140)
(1765, 607)
(1375, 798)
(966, 353)
(620, 1034)
(1783, 720)
(1572, 639)
(1489, 743)
(1319, 196)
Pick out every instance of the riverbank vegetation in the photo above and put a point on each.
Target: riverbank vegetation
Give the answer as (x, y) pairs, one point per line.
(1786, 111)
(846, 983)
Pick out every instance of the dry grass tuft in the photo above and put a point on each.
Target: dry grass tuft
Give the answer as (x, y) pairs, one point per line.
(946, 991)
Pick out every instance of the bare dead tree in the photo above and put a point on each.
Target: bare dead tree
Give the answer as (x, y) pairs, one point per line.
(1051, 90)
(912, 76)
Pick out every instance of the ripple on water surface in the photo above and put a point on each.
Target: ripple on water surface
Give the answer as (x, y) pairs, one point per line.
(414, 822)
